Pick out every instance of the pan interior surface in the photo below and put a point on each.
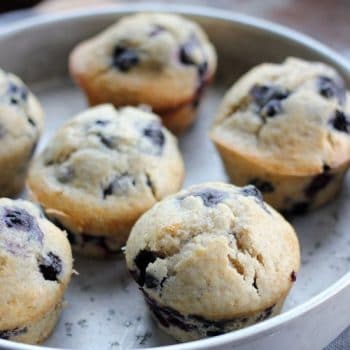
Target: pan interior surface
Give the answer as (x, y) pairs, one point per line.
(104, 309)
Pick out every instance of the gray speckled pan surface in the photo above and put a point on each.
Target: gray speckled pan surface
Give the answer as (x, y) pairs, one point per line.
(104, 308)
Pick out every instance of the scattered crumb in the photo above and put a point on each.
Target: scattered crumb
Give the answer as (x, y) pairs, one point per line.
(111, 312)
(68, 326)
(127, 324)
(142, 338)
(318, 245)
(82, 323)
(85, 288)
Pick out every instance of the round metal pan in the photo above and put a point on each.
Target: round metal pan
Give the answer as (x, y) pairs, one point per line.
(105, 310)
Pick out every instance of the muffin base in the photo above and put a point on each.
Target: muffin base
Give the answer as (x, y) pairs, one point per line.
(191, 327)
(14, 170)
(94, 246)
(179, 119)
(86, 244)
(290, 194)
(35, 332)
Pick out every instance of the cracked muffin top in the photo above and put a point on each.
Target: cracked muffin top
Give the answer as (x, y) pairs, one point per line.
(35, 263)
(21, 116)
(161, 59)
(292, 118)
(106, 162)
(214, 250)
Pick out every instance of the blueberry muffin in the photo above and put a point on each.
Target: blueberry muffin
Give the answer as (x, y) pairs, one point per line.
(101, 171)
(161, 60)
(285, 129)
(212, 259)
(35, 269)
(21, 123)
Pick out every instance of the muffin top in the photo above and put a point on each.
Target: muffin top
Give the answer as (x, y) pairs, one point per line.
(106, 163)
(291, 118)
(21, 117)
(214, 250)
(35, 264)
(161, 59)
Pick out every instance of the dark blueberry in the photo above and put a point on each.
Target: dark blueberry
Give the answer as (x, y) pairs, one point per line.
(210, 196)
(10, 333)
(150, 281)
(187, 54)
(150, 184)
(142, 260)
(101, 122)
(18, 94)
(252, 191)
(341, 121)
(65, 174)
(31, 121)
(18, 218)
(157, 310)
(124, 58)
(214, 333)
(12, 88)
(271, 109)
(202, 68)
(13, 101)
(32, 150)
(207, 323)
(299, 208)
(262, 186)
(255, 284)
(156, 29)
(293, 276)
(108, 191)
(262, 94)
(106, 140)
(155, 133)
(329, 88)
(268, 99)
(50, 266)
(265, 314)
(319, 182)
(168, 316)
(24, 93)
(118, 186)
